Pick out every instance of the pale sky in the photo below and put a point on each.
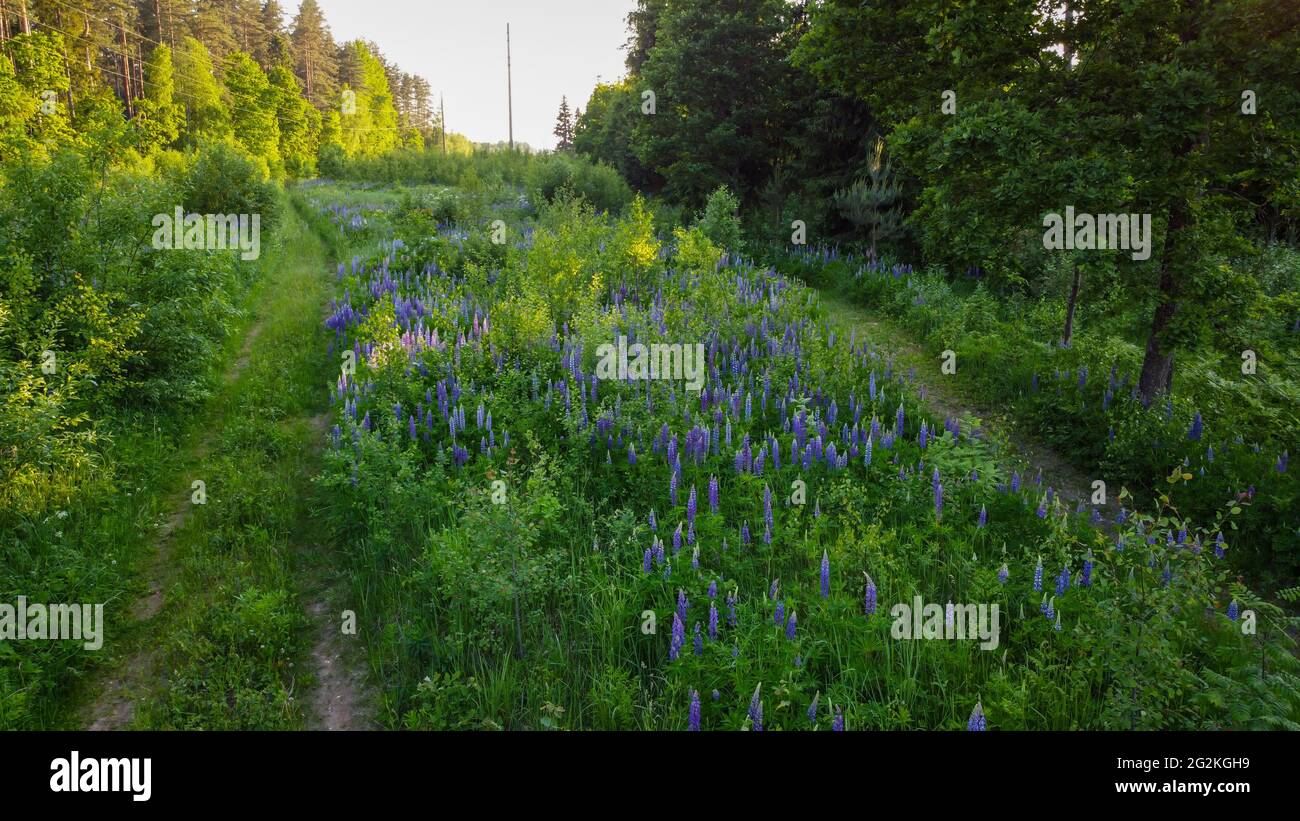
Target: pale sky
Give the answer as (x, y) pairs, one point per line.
(558, 47)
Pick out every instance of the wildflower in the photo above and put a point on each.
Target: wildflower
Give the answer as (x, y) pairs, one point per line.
(756, 710)
(695, 712)
(1194, 433)
(938, 502)
(984, 517)
(1086, 578)
(713, 589)
(645, 562)
(1063, 580)
(791, 625)
(1218, 546)
(652, 520)
(713, 494)
(1038, 577)
(778, 617)
(1233, 610)
(678, 638)
(1003, 573)
(713, 622)
(699, 640)
(837, 724)
(716, 695)
(681, 603)
(977, 722)
(826, 575)
(869, 598)
(812, 709)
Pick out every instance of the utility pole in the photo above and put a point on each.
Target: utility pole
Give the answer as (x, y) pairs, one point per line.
(442, 116)
(510, 101)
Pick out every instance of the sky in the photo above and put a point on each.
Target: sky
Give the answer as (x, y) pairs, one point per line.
(558, 48)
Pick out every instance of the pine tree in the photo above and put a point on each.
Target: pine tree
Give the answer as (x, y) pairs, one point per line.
(315, 53)
(564, 127)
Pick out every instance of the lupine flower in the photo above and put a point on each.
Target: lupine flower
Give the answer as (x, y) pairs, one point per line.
(1232, 610)
(977, 723)
(826, 576)
(938, 502)
(716, 695)
(699, 640)
(645, 563)
(713, 589)
(713, 494)
(771, 592)
(677, 539)
(984, 517)
(672, 488)
(812, 709)
(678, 638)
(1038, 577)
(778, 616)
(790, 626)
(695, 712)
(1003, 573)
(1218, 546)
(756, 710)
(731, 610)
(1282, 462)
(837, 724)
(1050, 609)
(1063, 580)
(681, 603)
(652, 520)
(869, 598)
(1086, 578)
(1167, 575)
(713, 622)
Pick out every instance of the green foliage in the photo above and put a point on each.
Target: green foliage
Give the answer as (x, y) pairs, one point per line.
(720, 221)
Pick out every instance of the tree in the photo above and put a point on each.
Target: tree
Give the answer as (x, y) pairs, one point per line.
(314, 50)
(704, 132)
(1116, 108)
(564, 127)
(253, 111)
(158, 115)
(206, 115)
(299, 123)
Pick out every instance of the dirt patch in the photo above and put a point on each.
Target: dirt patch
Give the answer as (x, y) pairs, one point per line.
(339, 701)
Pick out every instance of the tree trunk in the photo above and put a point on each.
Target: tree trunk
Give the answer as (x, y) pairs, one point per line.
(4, 22)
(126, 66)
(22, 17)
(1158, 364)
(1068, 333)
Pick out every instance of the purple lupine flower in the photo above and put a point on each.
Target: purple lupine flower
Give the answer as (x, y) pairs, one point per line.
(1049, 609)
(699, 640)
(713, 589)
(681, 603)
(653, 526)
(1063, 580)
(778, 615)
(812, 708)
(716, 694)
(1194, 433)
(713, 494)
(1282, 462)
(1038, 577)
(691, 506)
(767, 507)
(631, 454)
(869, 597)
(732, 621)
(938, 502)
(1086, 578)
(756, 710)
(977, 723)
(645, 563)
(694, 725)
(1233, 610)
(837, 723)
(771, 591)
(826, 576)
(678, 638)
(1168, 575)
(713, 621)
(677, 539)
(983, 519)
(672, 488)
(790, 625)
(1218, 546)
(695, 558)
(1003, 573)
